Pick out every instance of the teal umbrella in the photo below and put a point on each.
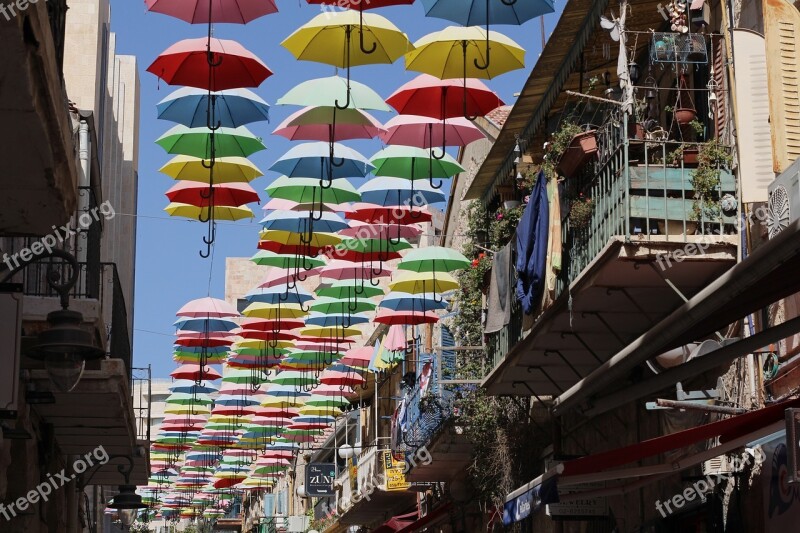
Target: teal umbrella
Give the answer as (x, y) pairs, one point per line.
(327, 91)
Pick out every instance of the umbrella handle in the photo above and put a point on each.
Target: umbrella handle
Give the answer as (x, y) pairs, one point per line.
(361, 35)
(464, 50)
(509, 2)
(444, 139)
(430, 171)
(348, 33)
(485, 66)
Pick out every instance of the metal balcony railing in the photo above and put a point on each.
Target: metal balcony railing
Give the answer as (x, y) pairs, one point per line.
(640, 191)
(141, 379)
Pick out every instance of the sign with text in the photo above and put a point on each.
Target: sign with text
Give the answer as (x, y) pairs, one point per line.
(319, 479)
(394, 472)
(583, 508)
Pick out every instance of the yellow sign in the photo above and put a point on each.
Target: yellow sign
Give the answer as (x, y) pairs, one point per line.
(353, 475)
(394, 471)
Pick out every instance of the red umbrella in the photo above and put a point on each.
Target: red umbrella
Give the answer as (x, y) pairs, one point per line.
(195, 373)
(379, 214)
(224, 65)
(224, 194)
(341, 379)
(429, 96)
(222, 11)
(207, 307)
(262, 324)
(409, 318)
(268, 335)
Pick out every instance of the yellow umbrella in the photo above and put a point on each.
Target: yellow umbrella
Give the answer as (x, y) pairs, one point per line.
(273, 312)
(283, 401)
(329, 38)
(421, 282)
(329, 331)
(176, 409)
(295, 239)
(226, 169)
(201, 213)
(322, 410)
(267, 346)
(460, 52)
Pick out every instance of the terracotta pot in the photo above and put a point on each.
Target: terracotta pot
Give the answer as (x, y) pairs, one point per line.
(690, 156)
(579, 152)
(684, 116)
(637, 131)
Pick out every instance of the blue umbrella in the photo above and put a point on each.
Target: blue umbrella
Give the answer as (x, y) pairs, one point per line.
(190, 387)
(237, 401)
(322, 160)
(231, 108)
(297, 222)
(473, 12)
(313, 420)
(281, 391)
(403, 301)
(201, 349)
(206, 324)
(279, 294)
(399, 191)
(327, 320)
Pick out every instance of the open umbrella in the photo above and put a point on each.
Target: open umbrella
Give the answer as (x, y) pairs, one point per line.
(327, 91)
(223, 11)
(204, 213)
(329, 124)
(412, 163)
(428, 132)
(328, 39)
(226, 169)
(398, 191)
(206, 143)
(429, 96)
(433, 259)
(423, 282)
(315, 160)
(207, 307)
(222, 194)
(196, 107)
(308, 190)
(213, 65)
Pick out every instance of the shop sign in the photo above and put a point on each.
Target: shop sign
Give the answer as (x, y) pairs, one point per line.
(582, 508)
(319, 479)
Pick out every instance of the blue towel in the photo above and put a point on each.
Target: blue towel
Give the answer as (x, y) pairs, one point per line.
(532, 235)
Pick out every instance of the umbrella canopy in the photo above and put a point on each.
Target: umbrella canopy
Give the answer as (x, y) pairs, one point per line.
(232, 108)
(225, 65)
(196, 142)
(458, 52)
(411, 162)
(474, 12)
(396, 191)
(333, 38)
(348, 289)
(403, 301)
(329, 124)
(308, 190)
(312, 160)
(282, 276)
(340, 270)
(207, 307)
(267, 258)
(433, 259)
(223, 194)
(429, 96)
(364, 230)
(428, 132)
(295, 222)
(224, 11)
(409, 318)
(388, 214)
(273, 312)
(328, 91)
(423, 282)
(202, 213)
(205, 324)
(226, 169)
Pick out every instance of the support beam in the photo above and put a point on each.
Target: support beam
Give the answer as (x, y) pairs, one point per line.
(697, 406)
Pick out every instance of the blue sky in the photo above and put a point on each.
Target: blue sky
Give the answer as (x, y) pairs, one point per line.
(169, 271)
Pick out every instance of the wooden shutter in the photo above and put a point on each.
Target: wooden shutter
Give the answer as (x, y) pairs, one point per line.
(721, 80)
(782, 33)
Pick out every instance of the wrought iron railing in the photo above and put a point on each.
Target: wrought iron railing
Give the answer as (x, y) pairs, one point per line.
(141, 379)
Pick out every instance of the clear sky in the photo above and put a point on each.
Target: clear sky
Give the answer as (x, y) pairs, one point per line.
(169, 271)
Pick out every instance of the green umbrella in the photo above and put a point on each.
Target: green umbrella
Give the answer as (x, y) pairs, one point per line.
(240, 375)
(327, 91)
(308, 190)
(331, 305)
(433, 259)
(413, 163)
(373, 245)
(314, 357)
(267, 258)
(319, 400)
(348, 289)
(196, 142)
(290, 377)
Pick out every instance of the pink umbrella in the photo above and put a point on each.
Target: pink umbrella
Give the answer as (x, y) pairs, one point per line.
(358, 357)
(427, 132)
(224, 65)
(222, 11)
(262, 324)
(338, 378)
(295, 127)
(333, 390)
(281, 276)
(208, 307)
(395, 339)
(346, 270)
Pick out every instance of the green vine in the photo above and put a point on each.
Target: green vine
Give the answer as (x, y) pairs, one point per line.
(504, 225)
(559, 142)
(706, 180)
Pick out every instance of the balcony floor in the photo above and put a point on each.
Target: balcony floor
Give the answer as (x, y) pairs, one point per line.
(619, 296)
(451, 453)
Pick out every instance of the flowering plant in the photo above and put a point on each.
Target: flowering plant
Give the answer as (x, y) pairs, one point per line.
(580, 212)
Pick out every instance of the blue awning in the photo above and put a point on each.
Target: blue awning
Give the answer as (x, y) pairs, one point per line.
(530, 502)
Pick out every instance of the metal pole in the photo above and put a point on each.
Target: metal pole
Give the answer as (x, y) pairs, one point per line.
(693, 406)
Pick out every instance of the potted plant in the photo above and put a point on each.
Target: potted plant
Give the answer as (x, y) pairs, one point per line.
(582, 146)
(685, 153)
(684, 111)
(706, 180)
(580, 212)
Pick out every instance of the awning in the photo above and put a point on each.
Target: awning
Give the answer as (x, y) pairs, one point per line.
(428, 519)
(734, 432)
(766, 276)
(397, 523)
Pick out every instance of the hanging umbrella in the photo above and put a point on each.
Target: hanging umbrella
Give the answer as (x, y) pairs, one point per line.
(409, 318)
(327, 320)
(274, 295)
(261, 324)
(301, 222)
(423, 282)
(293, 378)
(427, 132)
(318, 240)
(341, 379)
(329, 124)
(197, 142)
(433, 259)
(397, 191)
(222, 195)
(267, 258)
(308, 190)
(273, 312)
(222, 65)
(429, 96)
(315, 160)
(195, 108)
(327, 91)
(413, 163)
(363, 230)
(205, 324)
(282, 276)
(226, 169)
(388, 214)
(203, 213)
(347, 289)
(328, 39)
(207, 307)
(403, 301)
(340, 270)
(222, 11)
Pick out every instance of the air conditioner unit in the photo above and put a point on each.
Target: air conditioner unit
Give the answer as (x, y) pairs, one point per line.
(297, 524)
(718, 466)
(784, 199)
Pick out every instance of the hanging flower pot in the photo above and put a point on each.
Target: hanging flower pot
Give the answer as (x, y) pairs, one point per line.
(580, 151)
(684, 107)
(684, 116)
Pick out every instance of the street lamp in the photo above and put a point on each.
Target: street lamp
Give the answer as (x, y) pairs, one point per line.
(65, 346)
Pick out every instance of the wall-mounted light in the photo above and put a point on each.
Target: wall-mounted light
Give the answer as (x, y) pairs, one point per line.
(633, 72)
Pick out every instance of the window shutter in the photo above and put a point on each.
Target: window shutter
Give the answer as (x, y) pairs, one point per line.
(782, 34)
(721, 81)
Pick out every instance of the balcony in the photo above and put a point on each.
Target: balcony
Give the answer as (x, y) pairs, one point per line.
(646, 246)
(39, 172)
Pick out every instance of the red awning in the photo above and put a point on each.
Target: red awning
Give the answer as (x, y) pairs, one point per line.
(397, 523)
(427, 519)
(729, 429)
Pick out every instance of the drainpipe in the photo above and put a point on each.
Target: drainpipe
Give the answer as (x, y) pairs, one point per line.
(84, 194)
